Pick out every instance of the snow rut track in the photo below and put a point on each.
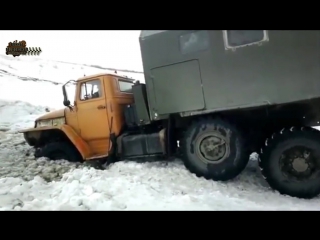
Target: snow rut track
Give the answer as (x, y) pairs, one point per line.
(17, 160)
(27, 183)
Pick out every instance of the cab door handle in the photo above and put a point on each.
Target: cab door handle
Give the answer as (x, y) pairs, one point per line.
(101, 107)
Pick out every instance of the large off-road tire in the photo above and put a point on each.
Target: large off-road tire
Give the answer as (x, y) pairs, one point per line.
(214, 149)
(59, 150)
(290, 162)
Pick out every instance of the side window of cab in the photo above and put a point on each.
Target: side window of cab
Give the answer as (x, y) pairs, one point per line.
(91, 90)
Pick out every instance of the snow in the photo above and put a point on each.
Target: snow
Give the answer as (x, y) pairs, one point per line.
(37, 81)
(59, 72)
(30, 184)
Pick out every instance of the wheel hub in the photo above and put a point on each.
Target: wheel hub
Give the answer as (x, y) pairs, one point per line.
(213, 147)
(300, 165)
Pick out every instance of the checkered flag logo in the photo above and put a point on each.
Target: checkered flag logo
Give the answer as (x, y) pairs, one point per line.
(34, 51)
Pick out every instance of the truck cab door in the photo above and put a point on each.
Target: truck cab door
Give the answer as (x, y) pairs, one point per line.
(93, 115)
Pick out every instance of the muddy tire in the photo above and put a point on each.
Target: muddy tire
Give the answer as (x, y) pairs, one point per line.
(290, 162)
(59, 150)
(214, 149)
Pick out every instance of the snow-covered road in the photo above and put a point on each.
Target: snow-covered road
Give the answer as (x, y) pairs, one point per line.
(29, 184)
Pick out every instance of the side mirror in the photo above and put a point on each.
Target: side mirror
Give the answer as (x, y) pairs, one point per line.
(66, 103)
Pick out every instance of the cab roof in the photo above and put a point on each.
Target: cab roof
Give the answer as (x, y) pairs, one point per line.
(105, 74)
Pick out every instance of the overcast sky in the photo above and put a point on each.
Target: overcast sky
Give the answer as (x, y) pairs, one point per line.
(114, 49)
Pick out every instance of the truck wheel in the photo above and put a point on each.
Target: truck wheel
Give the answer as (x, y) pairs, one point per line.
(290, 162)
(59, 150)
(214, 149)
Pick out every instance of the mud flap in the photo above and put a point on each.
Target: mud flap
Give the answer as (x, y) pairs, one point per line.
(170, 139)
(112, 153)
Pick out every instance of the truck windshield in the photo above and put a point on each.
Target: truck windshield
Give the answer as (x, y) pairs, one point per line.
(125, 86)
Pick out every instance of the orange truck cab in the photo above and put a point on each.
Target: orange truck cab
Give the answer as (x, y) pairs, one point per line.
(83, 130)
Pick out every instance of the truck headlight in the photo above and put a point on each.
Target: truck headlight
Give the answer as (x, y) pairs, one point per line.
(51, 122)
